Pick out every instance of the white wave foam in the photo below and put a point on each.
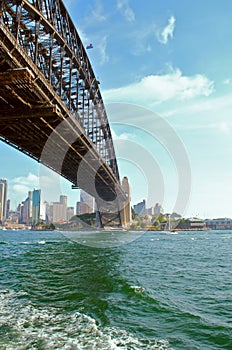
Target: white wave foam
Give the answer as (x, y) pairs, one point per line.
(29, 327)
(137, 289)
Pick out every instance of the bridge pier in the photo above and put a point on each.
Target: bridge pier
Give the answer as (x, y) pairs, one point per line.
(126, 210)
(115, 213)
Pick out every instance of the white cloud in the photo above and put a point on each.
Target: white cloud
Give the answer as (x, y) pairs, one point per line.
(224, 127)
(227, 82)
(122, 137)
(19, 187)
(126, 10)
(48, 181)
(141, 38)
(217, 104)
(102, 48)
(154, 89)
(29, 180)
(168, 31)
(97, 12)
(84, 38)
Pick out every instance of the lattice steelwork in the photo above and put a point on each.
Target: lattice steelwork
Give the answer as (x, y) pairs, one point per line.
(45, 31)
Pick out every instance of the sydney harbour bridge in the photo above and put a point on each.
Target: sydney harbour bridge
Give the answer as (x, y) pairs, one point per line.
(51, 106)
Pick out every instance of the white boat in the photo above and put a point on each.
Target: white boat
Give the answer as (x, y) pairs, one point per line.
(168, 230)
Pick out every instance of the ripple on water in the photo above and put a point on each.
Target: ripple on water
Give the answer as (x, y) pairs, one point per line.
(23, 326)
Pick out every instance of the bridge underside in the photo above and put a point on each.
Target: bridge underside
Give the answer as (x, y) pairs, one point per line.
(34, 120)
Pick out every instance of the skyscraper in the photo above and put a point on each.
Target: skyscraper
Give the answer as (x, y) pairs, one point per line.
(3, 199)
(64, 200)
(140, 208)
(27, 210)
(58, 210)
(7, 208)
(36, 204)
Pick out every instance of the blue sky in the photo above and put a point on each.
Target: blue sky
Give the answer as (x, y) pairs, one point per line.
(157, 60)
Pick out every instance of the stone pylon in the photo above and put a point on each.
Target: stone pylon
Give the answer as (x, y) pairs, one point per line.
(126, 214)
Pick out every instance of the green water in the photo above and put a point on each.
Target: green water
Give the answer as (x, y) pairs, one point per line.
(156, 292)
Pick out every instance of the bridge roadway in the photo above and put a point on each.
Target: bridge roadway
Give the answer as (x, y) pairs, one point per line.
(53, 111)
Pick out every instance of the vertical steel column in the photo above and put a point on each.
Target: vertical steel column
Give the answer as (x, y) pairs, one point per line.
(50, 57)
(37, 27)
(61, 69)
(70, 82)
(18, 19)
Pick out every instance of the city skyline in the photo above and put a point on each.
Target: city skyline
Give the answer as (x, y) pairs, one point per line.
(157, 59)
(85, 204)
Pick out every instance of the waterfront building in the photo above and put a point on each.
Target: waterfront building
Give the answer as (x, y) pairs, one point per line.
(3, 199)
(191, 224)
(196, 224)
(14, 216)
(219, 224)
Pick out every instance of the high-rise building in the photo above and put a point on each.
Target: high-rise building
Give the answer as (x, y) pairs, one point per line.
(58, 212)
(2, 188)
(3, 199)
(140, 208)
(78, 208)
(158, 209)
(64, 200)
(88, 200)
(7, 208)
(48, 217)
(82, 208)
(26, 215)
(36, 206)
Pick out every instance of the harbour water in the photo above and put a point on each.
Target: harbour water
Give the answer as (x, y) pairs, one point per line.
(155, 292)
